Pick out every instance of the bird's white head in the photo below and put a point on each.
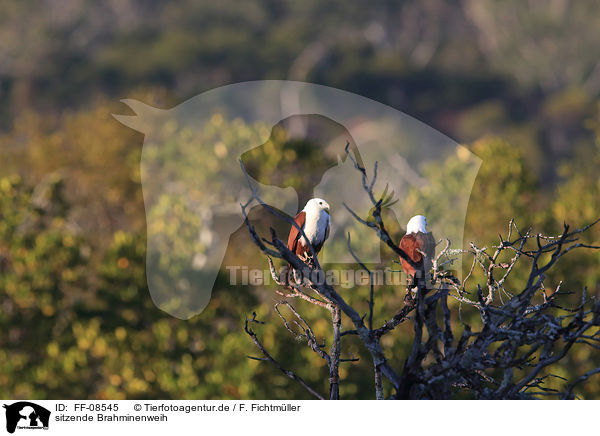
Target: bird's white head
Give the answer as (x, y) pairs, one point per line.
(316, 205)
(417, 224)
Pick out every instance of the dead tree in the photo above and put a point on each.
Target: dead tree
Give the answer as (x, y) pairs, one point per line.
(508, 356)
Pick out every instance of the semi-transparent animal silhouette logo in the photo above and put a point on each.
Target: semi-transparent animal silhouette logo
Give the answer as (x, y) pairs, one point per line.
(291, 137)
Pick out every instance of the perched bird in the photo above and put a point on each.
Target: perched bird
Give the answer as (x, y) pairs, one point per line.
(314, 220)
(416, 242)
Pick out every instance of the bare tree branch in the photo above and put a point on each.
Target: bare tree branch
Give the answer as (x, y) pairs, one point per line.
(522, 333)
(268, 357)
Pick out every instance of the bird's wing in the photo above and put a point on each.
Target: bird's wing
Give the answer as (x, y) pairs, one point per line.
(327, 229)
(429, 246)
(410, 245)
(425, 245)
(294, 233)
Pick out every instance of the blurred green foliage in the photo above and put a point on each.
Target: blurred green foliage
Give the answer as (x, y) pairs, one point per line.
(517, 83)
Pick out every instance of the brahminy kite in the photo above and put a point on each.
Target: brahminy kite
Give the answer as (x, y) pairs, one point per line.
(415, 243)
(314, 221)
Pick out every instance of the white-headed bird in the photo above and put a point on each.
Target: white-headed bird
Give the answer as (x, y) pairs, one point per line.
(315, 222)
(415, 243)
